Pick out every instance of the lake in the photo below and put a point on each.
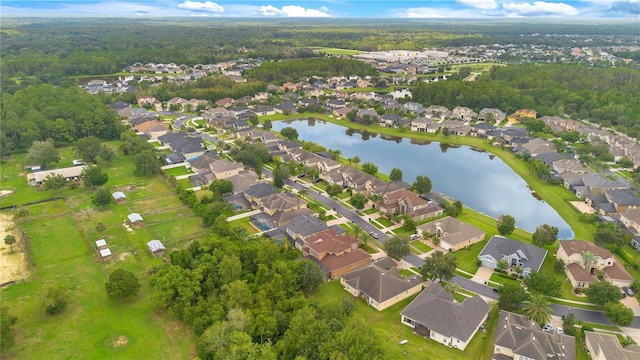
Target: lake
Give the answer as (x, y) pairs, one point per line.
(481, 182)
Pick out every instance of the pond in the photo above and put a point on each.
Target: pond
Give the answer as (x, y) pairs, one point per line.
(477, 178)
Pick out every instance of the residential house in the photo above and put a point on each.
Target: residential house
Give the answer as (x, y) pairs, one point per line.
(516, 253)
(631, 220)
(525, 113)
(436, 315)
(519, 338)
(623, 200)
(302, 227)
(582, 272)
(70, 174)
(402, 201)
(413, 107)
(456, 127)
(183, 144)
(401, 94)
(135, 220)
(335, 253)
(539, 146)
(223, 169)
(217, 112)
(602, 346)
(453, 233)
(153, 129)
(487, 113)
(226, 102)
(257, 191)
(342, 112)
(481, 130)
(391, 120)
(242, 181)
(201, 164)
(420, 124)
(156, 248)
(263, 110)
(177, 103)
(463, 113)
(380, 284)
(119, 197)
(597, 184)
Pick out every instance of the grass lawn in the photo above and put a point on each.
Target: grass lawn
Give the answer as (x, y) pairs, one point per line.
(406, 272)
(177, 171)
(343, 195)
(384, 221)
(62, 242)
(334, 51)
(387, 325)
(468, 257)
(421, 246)
(502, 280)
(371, 211)
(245, 224)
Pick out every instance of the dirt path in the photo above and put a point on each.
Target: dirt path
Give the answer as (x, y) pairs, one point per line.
(13, 266)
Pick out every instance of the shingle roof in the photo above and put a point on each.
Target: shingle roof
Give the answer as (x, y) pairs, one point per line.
(609, 346)
(380, 282)
(260, 190)
(306, 225)
(155, 245)
(499, 247)
(133, 217)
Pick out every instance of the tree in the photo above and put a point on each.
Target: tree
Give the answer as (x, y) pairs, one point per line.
(356, 160)
(397, 246)
(569, 324)
(358, 201)
(7, 338)
(267, 125)
(502, 265)
(453, 209)
(42, 153)
(395, 175)
(53, 298)
(545, 235)
(122, 284)
(590, 260)
(91, 150)
(279, 173)
(289, 133)
(603, 292)
(606, 235)
(55, 182)
(439, 266)
(310, 276)
(619, 314)
(334, 189)
(220, 187)
(370, 168)
(101, 198)
(506, 224)
(9, 239)
(537, 308)
(147, 163)
(540, 282)
(100, 227)
(422, 185)
(93, 176)
(511, 296)
(452, 287)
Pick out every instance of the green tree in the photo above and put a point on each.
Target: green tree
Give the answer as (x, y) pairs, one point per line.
(42, 153)
(358, 200)
(101, 198)
(606, 235)
(356, 160)
(569, 324)
(398, 246)
(356, 341)
(91, 150)
(453, 209)
(370, 168)
(9, 239)
(55, 182)
(334, 189)
(422, 185)
(603, 292)
(439, 266)
(537, 308)
(395, 175)
(53, 298)
(122, 284)
(279, 173)
(93, 176)
(619, 314)
(289, 133)
(267, 125)
(147, 163)
(7, 337)
(220, 187)
(502, 265)
(545, 235)
(511, 296)
(310, 276)
(540, 282)
(506, 224)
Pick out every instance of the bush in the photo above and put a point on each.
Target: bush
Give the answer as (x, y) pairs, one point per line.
(53, 298)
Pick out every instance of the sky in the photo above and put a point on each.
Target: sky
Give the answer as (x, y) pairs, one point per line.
(490, 9)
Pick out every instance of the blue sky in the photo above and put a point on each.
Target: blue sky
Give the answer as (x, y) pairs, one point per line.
(327, 8)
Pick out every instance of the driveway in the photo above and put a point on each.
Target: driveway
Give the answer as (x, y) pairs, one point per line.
(482, 275)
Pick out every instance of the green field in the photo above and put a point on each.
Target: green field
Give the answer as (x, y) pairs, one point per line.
(334, 51)
(62, 240)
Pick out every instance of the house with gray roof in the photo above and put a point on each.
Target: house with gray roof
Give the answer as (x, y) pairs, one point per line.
(498, 115)
(453, 233)
(436, 315)
(380, 284)
(599, 184)
(517, 337)
(135, 219)
(119, 197)
(607, 347)
(258, 191)
(515, 253)
(623, 199)
(156, 248)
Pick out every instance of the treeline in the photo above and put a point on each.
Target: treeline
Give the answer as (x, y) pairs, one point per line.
(607, 96)
(46, 112)
(296, 69)
(210, 88)
(245, 299)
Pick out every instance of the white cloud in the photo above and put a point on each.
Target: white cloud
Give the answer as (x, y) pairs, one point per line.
(421, 12)
(293, 11)
(207, 6)
(539, 8)
(480, 4)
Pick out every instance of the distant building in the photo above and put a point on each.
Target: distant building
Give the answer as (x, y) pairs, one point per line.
(156, 248)
(135, 220)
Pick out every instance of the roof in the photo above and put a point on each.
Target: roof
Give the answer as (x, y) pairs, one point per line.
(105, 252)
(203, 161)
(579, 274)
(101, 243)
(155, 245)
(133, 217)
(68, 172)
(499, 247)
(571, 247)
(524, 337)
(609, 346)
(623, 197)
(437, 309)
(454, 230)
(119, 195)
(380, 280)
(223, 165)
(336, 262)
(327, 241)
(260, 190)
(306, 225)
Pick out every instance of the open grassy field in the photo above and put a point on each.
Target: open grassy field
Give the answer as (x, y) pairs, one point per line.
(62, 238)
(334, 51)
(387, 325)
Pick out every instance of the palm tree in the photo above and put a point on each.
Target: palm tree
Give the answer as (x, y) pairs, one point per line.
(590, 260)
(537, 308)
(356, 160)
(452, 287)
(376, 199)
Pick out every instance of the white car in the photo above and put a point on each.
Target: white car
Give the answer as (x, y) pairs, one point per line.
(559, 330)
(305, 185)
(548, 327)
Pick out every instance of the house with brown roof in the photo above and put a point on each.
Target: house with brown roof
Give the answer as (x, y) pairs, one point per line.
(335, 253)
(436, 315)
(453, 233)
(607, 347)
(226, 102)
(581, 274)
(539, 146)
(152, 128)
(402, 201)
(223, 169)
(380, 284)
(631, 220)
(517, 338)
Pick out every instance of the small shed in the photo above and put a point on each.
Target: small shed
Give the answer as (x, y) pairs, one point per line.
(101, 244)
(156, 248)
(119, 197)
(135, 219)
(105, 253)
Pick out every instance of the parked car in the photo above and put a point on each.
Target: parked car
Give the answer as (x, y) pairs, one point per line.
(301, 176)
(548, 327)
(414, 236)
(559, 330)
(627, 290)
(306, 185)
(373, 235)
(315, 181)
